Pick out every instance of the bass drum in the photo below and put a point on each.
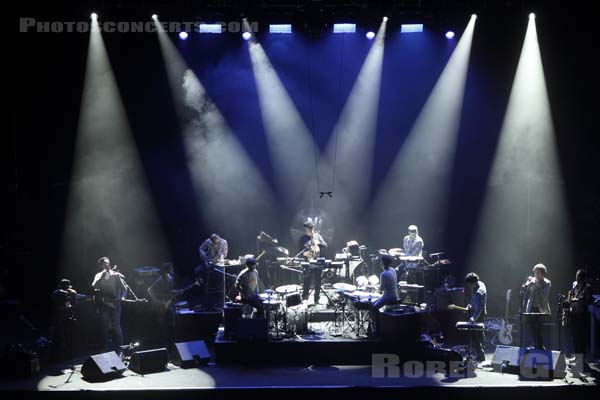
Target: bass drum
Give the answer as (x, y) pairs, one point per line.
(296, 322)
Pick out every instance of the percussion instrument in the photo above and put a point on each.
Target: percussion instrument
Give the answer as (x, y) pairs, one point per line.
(293, 299)
(296, 320)
(344, 287)
(283, 290)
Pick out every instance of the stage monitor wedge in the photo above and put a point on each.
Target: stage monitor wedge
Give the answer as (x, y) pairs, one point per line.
(102, 367)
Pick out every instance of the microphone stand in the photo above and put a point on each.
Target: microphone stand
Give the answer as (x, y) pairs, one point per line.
(522, 296)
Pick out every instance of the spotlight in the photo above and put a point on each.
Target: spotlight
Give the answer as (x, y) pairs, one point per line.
(94, 16)
(449, 35)
(154, 16)
(209, 28)
(531, 15)
(473, 15)
(411, 28)
(183, 35)
(280, 28)
(246, 35)
(385, 19)
(344, 28)
(370, 35)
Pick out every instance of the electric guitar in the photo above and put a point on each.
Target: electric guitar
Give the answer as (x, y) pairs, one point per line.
(505, 333)
(112, 303)
(459, 308)
(165, 305)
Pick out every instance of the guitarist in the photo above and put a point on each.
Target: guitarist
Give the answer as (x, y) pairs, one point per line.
(580, 297)
(162, 294)
(110, 289)
(478, 308)
(310, 245)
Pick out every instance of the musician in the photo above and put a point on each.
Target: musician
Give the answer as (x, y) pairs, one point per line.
(64, 301)
(110, 289)
(413, 246)
(162, 293)
(247, 284)
(478, 309)
(213, 249)
(537, 293)
(310, 245)
(388, 287)
(580, 297)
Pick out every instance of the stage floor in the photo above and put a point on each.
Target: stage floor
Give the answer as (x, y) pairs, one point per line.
(237, 377)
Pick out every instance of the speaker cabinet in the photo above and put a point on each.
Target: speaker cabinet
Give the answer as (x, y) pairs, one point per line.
(529, 364)
(191, 354)
(149, 361)
(102, 367)
(252, 330)
(542, 365)
(404, 328)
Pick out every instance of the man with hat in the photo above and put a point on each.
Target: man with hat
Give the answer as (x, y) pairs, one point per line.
(310, 245)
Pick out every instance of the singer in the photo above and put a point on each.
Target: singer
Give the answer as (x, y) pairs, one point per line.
(537, 292)
(109, 290)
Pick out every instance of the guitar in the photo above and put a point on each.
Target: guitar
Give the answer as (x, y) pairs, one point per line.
(165, 305)
(112, 303)
(459, 308)
(505, 333)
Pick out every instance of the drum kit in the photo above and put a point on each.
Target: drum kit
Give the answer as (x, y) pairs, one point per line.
(355, 302)
(285, 311)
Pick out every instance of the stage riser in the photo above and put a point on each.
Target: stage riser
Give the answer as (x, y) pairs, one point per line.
(326, 352)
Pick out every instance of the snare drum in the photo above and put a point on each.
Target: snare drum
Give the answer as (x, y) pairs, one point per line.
(293, 299)
(271, 305)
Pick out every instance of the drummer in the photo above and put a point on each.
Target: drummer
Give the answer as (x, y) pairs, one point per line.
(389, 290)
(247, 284)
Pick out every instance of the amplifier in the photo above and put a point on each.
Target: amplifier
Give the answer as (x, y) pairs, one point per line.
(411, 294)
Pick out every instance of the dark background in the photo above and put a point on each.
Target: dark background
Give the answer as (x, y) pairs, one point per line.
(45, 76)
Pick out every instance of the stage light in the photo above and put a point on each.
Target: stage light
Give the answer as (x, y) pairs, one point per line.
(473, 15)
(154, 16)
(210, 28)
(428, 152)
(284, 128)
(280, 28)
(351, 146)
(208, 140)
(525, 205)
(94, 16)
(183, 35)
(411, 28)
(531, 15)
(246, 36)
(108, 185)
(385, 19)
(449, 35)
(370, 35)
(344, 28)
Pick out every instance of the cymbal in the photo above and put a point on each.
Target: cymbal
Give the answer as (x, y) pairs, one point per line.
(288, 289)
(344, 287)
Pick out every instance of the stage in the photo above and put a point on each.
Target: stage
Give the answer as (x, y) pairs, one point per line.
(342, 381)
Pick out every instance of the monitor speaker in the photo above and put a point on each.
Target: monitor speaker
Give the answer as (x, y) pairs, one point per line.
(102, 367)
(191, 354)
(149, 361)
